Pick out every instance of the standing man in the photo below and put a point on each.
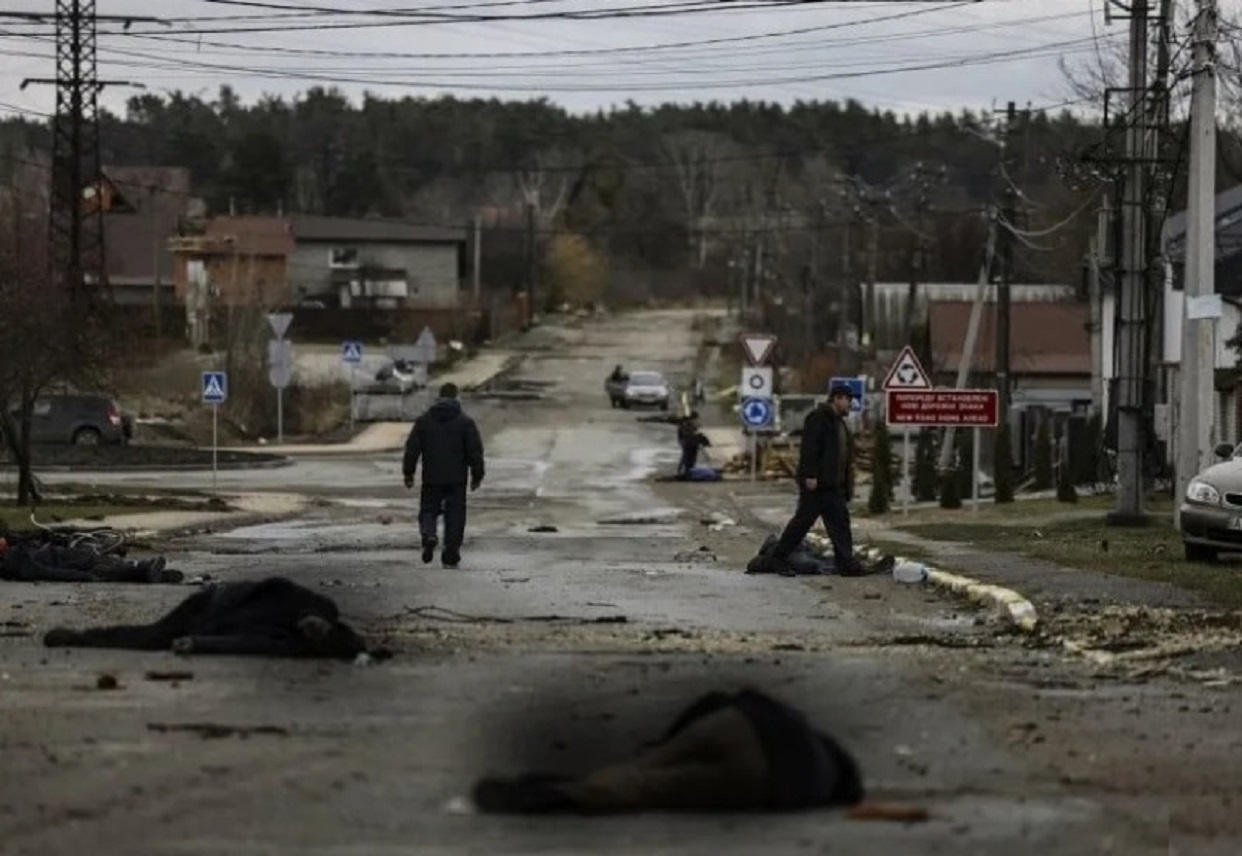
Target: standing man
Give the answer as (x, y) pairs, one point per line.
(825, 484)
(449, 444)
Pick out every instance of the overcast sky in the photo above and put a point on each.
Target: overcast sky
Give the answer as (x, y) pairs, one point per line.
(904, 57)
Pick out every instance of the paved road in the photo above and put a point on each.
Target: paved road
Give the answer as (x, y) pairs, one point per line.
(372, 757)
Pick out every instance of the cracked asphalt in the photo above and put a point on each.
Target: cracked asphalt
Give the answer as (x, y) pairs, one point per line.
(560, 649)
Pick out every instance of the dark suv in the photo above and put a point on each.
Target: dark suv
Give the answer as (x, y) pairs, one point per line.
(80, 419)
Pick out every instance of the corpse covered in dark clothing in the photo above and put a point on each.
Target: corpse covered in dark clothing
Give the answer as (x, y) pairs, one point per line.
(28, 560)
(272, 617)
(743, 751)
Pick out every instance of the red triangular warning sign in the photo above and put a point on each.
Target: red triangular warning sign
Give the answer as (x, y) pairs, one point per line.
(907, 372)
(757, 346)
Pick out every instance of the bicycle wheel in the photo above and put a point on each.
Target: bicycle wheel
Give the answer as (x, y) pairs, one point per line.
(102, 542)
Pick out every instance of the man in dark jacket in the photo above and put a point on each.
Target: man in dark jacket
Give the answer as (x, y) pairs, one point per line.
(448, 442)
(690, 439)
(825, 483)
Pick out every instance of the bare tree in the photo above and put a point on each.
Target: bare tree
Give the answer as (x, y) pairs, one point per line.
(48, 338)
(699, 159)
(543, 185)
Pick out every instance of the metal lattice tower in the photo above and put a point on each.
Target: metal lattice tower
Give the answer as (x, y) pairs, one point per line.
(77, 226)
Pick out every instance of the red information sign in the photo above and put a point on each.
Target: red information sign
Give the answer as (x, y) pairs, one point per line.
(942, 408)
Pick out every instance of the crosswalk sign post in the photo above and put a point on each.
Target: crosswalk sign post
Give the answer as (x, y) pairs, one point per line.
(351, 356)
(215, 388)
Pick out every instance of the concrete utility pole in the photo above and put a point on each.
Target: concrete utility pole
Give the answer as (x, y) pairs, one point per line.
(1095, 299)
(1198, 363)
(1131, 363)
(972, 333)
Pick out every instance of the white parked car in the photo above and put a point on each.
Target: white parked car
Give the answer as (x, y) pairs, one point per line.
(647, 389)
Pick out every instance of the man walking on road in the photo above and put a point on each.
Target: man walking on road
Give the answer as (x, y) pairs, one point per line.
(448, 442)
(825, 484)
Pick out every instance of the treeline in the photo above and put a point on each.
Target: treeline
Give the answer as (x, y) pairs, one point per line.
(656, 192)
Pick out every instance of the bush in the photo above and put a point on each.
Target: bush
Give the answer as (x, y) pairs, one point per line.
(881, 471)
(1042, 463)
(1002, 466)
(925, 480)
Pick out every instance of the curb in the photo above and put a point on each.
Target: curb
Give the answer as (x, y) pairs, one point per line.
(1016, 609)
(168, 468)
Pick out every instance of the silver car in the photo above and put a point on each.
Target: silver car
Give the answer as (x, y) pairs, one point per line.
(647, 388)
(1211, 512)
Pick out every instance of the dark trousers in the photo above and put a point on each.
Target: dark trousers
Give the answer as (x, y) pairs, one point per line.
(449, 500)
(50, 563)
(833, 507)
(689, 457)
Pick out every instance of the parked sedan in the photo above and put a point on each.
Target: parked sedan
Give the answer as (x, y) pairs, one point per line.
(647, 388)
(1211, 512)
(78, 419)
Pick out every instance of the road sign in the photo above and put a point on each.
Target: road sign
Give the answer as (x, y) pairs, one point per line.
(757, 347)
(351, 352)
(422, 351)
(858, 388)
(279, 322)
(215, 387)
(756, 382)
(280, 362)
(942, 408)
(907, 372)
(757, 412)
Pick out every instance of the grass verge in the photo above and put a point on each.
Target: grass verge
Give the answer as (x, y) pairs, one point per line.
(1087, 543)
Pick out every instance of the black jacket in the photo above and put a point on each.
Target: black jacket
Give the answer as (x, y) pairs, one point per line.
(448, 443)
(827, 451)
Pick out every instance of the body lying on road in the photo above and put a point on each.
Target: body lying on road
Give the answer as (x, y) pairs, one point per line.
(803, 561)
(726, 752)
(272, 617)
(29, 560)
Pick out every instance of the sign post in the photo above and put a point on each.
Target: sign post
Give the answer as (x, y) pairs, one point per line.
(912, 402)
(280, 365)
(906, 373)
(215, 391)
(757, 413)
(351, 356)
(756, 390)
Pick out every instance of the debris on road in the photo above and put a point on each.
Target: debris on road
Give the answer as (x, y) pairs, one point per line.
(107, 682)
(440, 613)
(169, 676)
(214, 731)
(703, 554)
(543, 529)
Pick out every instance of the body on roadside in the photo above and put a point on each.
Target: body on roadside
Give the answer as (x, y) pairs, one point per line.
(448, 443)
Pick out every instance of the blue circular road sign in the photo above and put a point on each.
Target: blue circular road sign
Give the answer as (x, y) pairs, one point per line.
(756, 412)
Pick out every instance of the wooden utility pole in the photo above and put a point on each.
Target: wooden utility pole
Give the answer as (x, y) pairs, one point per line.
(1003, 310)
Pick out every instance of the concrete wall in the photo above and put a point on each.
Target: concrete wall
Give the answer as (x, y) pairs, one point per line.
(431, 269)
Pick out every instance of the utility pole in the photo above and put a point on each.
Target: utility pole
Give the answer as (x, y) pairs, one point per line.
(1095, 304)
(76, 217)
(476, 260)
(873, 261)
(919, 250)
(531, 258)
(1132, 292)
(1003, 309)
(1198, 364)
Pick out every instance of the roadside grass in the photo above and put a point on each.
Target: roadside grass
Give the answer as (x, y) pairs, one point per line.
(1021, 511)
(95, 507)
(1152, 553)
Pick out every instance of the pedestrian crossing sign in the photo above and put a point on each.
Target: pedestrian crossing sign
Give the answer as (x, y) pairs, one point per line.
(215, 387)
(351, 352)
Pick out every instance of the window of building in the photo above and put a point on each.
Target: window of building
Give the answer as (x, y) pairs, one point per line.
(342, 257)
